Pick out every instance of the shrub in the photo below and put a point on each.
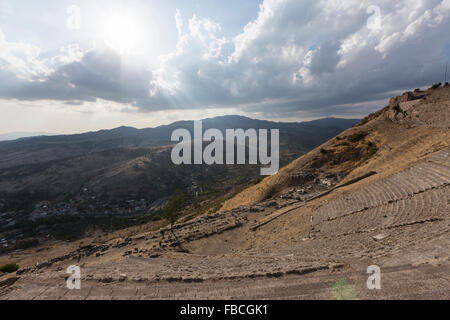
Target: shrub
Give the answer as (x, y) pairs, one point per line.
(365, 120)
(256, 181)
(373, 116)
(9, 268)
(398, 110)
(436, 85)
(372, 149)
(156, 214)
(174, 206)
(25, 244)
(357, 136)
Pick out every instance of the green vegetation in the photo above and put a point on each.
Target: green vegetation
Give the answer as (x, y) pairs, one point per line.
(357, 136)
(372, 149)
(373, 116)
(436, 85)
(28, 243)
(256, 181)
(81, 160)
(156, 214)
(366, 120)
(344, 144)
(399, 110)
(9, 268)
(23, 200)
(174, 206)
(343, 290)
(76, 227)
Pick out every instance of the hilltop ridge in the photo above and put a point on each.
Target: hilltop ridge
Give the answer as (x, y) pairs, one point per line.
(416, 122)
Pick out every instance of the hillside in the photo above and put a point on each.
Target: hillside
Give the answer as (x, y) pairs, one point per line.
(413, 126)
(50, 148)
(376, 194)
(47, 182)
(132, 163)
(20, 135)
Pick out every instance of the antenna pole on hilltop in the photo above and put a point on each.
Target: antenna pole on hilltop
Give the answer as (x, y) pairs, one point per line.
(446, 66)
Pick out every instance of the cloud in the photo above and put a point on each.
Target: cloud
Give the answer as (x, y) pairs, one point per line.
(83, 76)
(21, 59)
(297, 58)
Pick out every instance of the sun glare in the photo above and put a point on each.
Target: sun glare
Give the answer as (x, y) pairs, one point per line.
(121, 32)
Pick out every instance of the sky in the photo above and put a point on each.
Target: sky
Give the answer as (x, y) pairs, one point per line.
(81, 65)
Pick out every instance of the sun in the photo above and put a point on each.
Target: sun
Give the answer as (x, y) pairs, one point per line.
(121, 32)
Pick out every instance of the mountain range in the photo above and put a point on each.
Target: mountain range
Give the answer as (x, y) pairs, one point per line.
(20, 135)
(130, 163)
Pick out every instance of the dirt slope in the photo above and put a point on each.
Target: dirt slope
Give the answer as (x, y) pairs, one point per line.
(412, 126)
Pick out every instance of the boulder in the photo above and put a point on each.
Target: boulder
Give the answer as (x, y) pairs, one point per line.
(380, 237)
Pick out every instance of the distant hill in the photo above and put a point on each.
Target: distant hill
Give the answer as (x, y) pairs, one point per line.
(48, 148)
(19, 135)
(128, 163)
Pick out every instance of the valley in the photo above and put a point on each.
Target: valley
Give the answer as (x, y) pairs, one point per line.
(65, 187)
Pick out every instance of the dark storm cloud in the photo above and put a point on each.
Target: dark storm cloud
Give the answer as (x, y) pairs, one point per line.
(313, 57)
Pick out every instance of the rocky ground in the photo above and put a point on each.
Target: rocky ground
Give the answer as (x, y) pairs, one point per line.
(399, 223)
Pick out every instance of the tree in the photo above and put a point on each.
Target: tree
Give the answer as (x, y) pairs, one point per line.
(174, 206)
(9, 268)
(173, 209)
